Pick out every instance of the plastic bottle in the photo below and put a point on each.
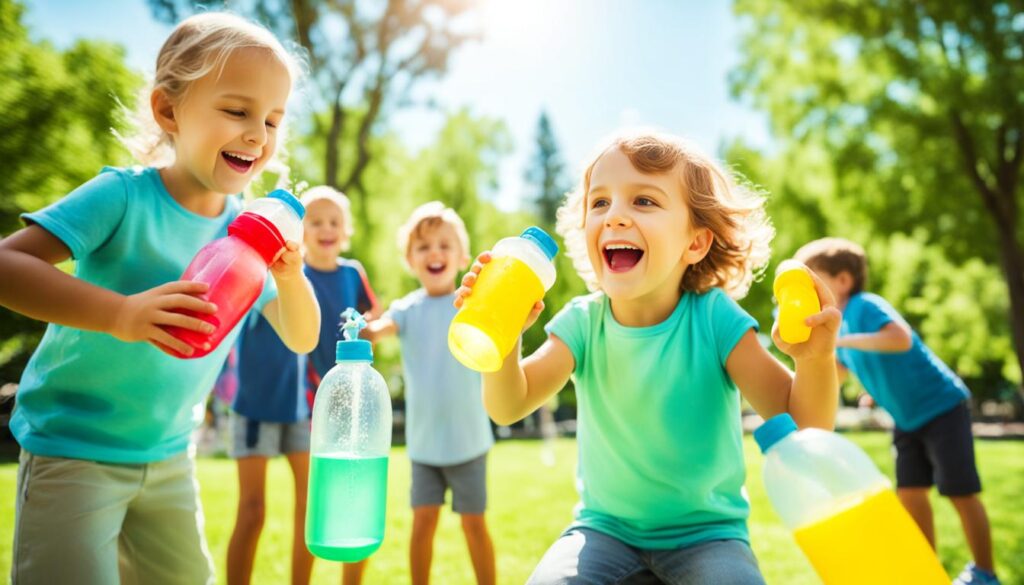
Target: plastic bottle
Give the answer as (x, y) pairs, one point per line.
(485, 330)
(235, 266)
(798, 300)
(842, 510)
(349, 446)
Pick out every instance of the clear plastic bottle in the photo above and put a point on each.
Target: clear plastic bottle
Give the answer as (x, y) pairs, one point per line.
(349, 446)
(521, 270)
(798, 299)
(842, 510)
(235, 266)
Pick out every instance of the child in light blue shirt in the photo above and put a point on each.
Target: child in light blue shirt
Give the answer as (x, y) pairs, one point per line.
(447, 431)
(660, 354)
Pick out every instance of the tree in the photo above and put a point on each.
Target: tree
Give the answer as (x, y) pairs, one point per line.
(919, 108)
(55, 134)
(547, 172)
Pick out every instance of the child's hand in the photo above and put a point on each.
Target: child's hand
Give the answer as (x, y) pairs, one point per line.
(470, 279)
(288, 263)
(824, 328)
(142, 316)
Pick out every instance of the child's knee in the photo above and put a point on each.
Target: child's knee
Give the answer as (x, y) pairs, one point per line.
(474, 525)
(252, 512)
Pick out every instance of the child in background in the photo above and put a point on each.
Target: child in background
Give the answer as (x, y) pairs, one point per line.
(106, 477)
(933, 441)
(657, 354)
(446, 429)
(339, 283)
(270, 415)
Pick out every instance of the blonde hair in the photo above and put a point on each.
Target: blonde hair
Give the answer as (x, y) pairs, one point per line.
(835, 256)
(430, 216)
(732, 212)
(339, 199)
(199, 45)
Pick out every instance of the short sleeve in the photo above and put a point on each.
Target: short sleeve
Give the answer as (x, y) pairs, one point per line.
(729, 323)
(875, 313)
(571, 325)
(88, 216)
(268, 294)
(366, 300)
(397, 313)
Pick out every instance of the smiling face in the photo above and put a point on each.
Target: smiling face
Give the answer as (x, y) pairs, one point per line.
(436, 257)
(324, 233)
(639, 232)
(225, 129)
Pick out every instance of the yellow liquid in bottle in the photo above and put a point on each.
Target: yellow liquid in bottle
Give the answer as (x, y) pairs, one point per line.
(798, 300)
(485, 330)
(875, 542)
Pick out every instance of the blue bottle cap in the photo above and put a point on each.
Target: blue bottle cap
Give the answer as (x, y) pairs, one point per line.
(540, 237)
(353, 349)
(290, 200)
(774, 430)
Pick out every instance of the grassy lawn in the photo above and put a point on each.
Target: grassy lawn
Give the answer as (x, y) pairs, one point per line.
(530, 504)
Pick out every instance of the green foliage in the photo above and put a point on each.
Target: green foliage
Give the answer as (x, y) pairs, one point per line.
(55, 134)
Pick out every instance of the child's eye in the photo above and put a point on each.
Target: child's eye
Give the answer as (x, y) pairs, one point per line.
(271, 124)
(645, 201)
(598, 203)
(235, 113)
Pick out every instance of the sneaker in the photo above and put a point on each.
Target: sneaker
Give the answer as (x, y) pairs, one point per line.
(975, 575)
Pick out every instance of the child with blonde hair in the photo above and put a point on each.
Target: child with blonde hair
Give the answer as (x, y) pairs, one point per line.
(106, 482)
(447, 432)
(667, 240)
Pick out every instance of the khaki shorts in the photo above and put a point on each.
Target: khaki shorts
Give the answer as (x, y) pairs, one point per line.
(88, 523)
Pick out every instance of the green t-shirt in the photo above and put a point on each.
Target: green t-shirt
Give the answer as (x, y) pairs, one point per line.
(659, 434)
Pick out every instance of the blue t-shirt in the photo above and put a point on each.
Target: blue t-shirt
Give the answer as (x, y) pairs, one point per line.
(336, 291)
(445, 420)
(658, 421)
(87, 395)
(271, 377)
(913, 386)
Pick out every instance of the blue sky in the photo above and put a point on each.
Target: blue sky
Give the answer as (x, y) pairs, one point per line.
(593, 65)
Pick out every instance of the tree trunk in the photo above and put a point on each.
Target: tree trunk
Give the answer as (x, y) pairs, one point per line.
(332, 162)
(1013, 270)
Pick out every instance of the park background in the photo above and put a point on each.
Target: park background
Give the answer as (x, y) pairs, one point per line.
(897, 124)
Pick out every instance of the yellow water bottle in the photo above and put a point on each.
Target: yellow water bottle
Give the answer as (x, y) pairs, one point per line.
(798, 300)
(521, 270)
(842, 511)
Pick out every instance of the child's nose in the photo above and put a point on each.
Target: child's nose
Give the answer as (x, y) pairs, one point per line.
(617, 216)
(256, 134)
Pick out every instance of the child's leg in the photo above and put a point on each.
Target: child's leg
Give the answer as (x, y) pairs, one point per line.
(252, 475)
(352, 573)
(469, 498)
(582, 555)
(976, 528)
(914, 478)
(302, 559)
(915, 500)
(718, 561)
(162, 538)
(68, 516)
(421, 546)
(426, 495)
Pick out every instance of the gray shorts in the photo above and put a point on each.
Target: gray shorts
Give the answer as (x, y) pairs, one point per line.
(468, 482)
(253, 438)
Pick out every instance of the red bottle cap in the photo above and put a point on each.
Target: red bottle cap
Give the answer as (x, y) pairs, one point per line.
(259, 233)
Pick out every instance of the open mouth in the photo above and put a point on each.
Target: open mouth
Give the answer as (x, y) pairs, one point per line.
(622, 257)
(239, 162)
(436, 267)
(327, 243)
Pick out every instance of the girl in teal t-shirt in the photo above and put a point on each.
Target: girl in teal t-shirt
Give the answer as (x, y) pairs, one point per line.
(657, 353)
(106, 481)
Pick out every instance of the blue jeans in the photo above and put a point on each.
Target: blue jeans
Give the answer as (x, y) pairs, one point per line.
(586, 557)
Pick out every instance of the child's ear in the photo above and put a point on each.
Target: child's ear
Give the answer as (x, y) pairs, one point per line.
(163, 111)
(699, 245)
(464, 262)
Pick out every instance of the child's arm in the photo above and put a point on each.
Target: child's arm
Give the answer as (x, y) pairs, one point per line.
(34, 287)
(893, 337)
(379, 329)
(811, 396)
(294, 314)
(520, 387)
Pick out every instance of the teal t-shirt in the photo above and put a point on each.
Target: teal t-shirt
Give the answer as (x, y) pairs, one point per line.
(659, 434)
(87, 395)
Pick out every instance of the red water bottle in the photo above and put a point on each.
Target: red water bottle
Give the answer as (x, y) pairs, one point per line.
(236, 266)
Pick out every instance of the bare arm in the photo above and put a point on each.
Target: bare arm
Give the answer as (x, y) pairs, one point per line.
(893, 337)
(294, 314)
(34, 287)
(521, 387)
(379, 329)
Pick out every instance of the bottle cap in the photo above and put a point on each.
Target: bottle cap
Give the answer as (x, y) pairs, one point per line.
(353, 349)
(540, 237)
(791, 272)
(290, 200)
(774, 430)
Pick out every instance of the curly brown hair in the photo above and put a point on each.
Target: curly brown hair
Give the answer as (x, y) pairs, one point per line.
(834, 256)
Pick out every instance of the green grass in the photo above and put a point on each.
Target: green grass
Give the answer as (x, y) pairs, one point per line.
(530, 504)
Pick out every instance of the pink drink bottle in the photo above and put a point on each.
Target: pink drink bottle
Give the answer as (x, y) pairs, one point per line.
(235, 266)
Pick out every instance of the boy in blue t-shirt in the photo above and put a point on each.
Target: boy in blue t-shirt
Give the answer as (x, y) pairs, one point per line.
(270, 413)
(447, 430)
(927, 401)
